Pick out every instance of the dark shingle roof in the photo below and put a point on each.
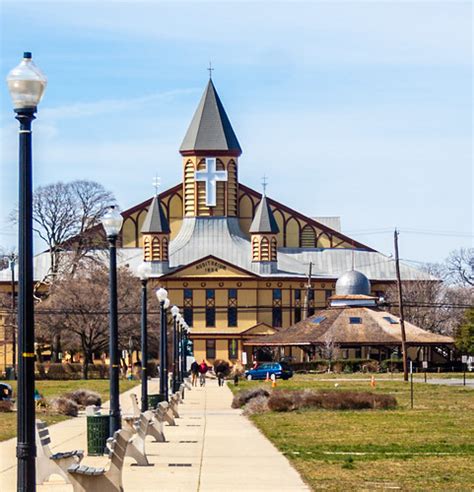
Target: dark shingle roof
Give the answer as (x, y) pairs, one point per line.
(155, 220)
(210, 128)
(264, 221)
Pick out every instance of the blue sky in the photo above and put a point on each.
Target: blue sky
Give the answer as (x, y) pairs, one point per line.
(357, 109)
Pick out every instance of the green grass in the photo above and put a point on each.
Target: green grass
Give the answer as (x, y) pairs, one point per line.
(51, 389)
(428, 448)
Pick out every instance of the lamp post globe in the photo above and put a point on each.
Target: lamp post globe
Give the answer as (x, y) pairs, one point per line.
(161, 294)
(26, 84)
(144, 272)
(112, 223)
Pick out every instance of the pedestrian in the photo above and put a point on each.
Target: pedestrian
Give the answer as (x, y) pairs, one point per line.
(194, 372)
(221, 369)
(202, 372)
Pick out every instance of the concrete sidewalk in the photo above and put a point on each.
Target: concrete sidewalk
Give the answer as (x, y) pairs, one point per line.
(212, 448)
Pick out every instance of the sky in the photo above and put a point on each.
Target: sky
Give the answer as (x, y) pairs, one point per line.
(357, 109)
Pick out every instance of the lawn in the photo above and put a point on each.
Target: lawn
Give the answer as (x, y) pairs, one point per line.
(50, 389)
(428, 448)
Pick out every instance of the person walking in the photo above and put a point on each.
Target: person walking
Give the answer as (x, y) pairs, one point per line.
(194, 373)
(221, 370)
(202, 372)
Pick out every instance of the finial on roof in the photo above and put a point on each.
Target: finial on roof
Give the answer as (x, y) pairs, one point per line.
(156, 183)
(210, 69)
(264, 185)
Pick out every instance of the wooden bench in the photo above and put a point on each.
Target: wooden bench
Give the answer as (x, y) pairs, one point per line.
(47, 463)
(96, 479)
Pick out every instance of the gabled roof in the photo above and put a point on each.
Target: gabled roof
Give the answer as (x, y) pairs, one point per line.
(264, 221)
(210, 128)
(155, 220)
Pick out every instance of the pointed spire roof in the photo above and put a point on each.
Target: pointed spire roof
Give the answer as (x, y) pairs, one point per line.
(264, 222)
(155, 220)
(210, 128)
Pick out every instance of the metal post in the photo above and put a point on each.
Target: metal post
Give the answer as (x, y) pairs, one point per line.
(163, 352)
(175, 355)
(144, 348)
(184, 348)
(464, 375)
(26, 448)
(411, 384)
(115, 421)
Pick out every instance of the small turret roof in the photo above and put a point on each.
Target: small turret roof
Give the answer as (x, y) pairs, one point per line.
(155, 220)
(264, 222)
(210, 128)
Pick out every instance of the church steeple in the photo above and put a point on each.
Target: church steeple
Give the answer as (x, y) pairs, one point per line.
(264, 230)
(210, 150)
(156, 237)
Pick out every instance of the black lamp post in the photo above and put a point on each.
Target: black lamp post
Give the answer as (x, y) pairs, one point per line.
(162, 296)
(175, 314)
(184, 344)
(144, 271)
(180, 348)
(26, 84)
(112, 223)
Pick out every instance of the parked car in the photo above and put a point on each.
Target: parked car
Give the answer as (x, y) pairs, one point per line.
(279, 369)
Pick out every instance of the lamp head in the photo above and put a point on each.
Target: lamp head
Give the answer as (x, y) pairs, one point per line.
(175, 311)
(144, 270)
(112, 222)
(162, 294)
(26, 83)
(166, 304)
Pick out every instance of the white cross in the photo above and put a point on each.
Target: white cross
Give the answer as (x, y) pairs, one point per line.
(210, 176)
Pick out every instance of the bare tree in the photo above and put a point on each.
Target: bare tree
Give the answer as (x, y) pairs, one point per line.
(64, 216)
(460, 267)
(329, 350)
(77, 309)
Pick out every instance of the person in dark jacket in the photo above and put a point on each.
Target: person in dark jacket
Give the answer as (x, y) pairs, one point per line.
(194, 372)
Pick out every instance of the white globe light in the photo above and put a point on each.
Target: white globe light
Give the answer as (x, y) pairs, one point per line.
(26, 84)
(112, 222)
(144, 270)
(175, 311)
(162, 294)
(167, 303)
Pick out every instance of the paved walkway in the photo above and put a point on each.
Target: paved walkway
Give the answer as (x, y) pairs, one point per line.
(212, 448)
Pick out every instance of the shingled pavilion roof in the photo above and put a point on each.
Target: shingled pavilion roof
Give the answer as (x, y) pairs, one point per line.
(210, 128)
(349, 326)
(155, 221)
(264, 221)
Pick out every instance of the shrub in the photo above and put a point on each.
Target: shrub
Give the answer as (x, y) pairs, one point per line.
(287, 401)
(98, 371)
(84, 397)
(256, 405)
(58, 371)
(64, 406)
(6, 406)
(243, 397)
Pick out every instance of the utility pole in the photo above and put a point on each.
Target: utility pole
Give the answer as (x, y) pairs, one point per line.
(308, 290)
(400, 307)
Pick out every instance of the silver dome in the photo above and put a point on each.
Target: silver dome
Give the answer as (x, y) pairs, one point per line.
(353, 283)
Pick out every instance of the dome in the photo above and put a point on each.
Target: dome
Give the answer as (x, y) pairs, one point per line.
(352, 283)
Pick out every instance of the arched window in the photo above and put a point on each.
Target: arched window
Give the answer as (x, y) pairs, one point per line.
(308, 237)
(146, 248)
(164, 247)
(255, 248)
(274, 249)
(189, 198)
(264, 249)
(155, 249)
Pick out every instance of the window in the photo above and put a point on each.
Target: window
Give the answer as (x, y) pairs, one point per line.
(232, 307)
(277, 310)
(210, 349)
(328, 294)
(318, 319)
(355, 321)
(233, 349)
(308, 237)
(188, 306)
(390, 320)
(311, 302)
(210, 308)
(297, 310)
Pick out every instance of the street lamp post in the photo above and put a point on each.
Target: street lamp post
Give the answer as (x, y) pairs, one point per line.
(144, 271)
(180, 348)
(162, 296)
(175, 314)
(26, 84)
(185, 349)
(112, 223)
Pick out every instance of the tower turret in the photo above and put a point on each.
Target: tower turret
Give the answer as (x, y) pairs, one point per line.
(264, 230)
(156, 237)
(210, 151)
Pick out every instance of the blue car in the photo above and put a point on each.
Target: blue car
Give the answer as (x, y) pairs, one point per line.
(279, 369)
